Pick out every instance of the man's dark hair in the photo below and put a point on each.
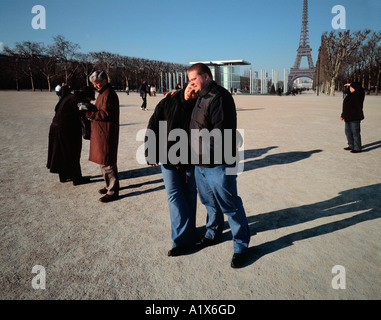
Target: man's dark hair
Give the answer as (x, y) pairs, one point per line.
(201, 68)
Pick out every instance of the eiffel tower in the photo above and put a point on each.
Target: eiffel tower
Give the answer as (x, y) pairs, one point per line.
(304, 50)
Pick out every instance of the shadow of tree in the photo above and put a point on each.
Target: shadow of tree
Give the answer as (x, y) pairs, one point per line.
(354, 200)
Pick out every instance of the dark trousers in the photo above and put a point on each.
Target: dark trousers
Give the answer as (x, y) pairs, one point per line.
(144, 105)
(353, 133)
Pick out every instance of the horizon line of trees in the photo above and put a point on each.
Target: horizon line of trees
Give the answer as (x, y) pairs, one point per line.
(34, 65)
(346, 57)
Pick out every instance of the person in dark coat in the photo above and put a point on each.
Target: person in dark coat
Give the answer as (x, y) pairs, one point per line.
(65, 137)
(353, 115)
(143, 93)
(65, 90)
(105, 134)
(178, 175)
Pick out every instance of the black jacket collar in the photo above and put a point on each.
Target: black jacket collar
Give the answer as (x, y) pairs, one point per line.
(206, 90)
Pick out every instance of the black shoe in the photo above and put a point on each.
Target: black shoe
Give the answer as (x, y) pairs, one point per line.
(238, 260)
(102, 191)
(178, 251)
(108, 198)
(63, 178)
(355, 151)
(206, 242)
(81, 180)
(348, 149)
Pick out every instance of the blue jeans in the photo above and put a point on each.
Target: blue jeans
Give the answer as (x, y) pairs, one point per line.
(353, 133)
(182, 201)
(218, 192)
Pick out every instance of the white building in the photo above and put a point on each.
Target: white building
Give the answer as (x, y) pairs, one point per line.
(226, 73)
(275, 78)
(264, 82)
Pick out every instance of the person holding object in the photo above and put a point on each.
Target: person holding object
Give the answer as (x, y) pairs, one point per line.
(215, 111)
(65, 137)
(353, 114)
(105, 134)
(175, 111)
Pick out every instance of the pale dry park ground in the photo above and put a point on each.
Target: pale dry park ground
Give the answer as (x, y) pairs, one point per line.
(310, 206)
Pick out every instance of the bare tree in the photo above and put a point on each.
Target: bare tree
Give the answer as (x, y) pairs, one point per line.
(105, 61)
(47, 64)
(14, 65)
(340, 46)
(378, 68)
(61, 60)
(126, 65)
(27, 53)
(369, 50)
(86, 62)
(65, 52)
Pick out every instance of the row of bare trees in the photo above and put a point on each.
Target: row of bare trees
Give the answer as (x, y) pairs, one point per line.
(61, 62)
(346, 57)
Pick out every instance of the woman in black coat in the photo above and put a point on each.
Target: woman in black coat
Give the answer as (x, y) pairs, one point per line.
(352, 115)
(65, 137)
(175, 112)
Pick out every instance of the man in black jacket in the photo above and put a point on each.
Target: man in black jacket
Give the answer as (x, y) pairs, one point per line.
(215, 113)
(352, 115)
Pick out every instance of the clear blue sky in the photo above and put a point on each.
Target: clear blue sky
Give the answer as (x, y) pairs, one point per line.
(265, 33)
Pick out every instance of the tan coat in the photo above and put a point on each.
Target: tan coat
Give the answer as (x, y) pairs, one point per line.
(105, 128)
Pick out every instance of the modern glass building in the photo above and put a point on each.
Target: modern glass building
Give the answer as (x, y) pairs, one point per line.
(226, 73)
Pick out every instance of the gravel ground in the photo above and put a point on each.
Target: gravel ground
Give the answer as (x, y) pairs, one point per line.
(310, 205)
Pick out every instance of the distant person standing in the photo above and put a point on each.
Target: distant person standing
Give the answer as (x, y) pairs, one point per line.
(65, 90)
(58, 91)
(105, 134)
(143, 93)
(353, 115)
